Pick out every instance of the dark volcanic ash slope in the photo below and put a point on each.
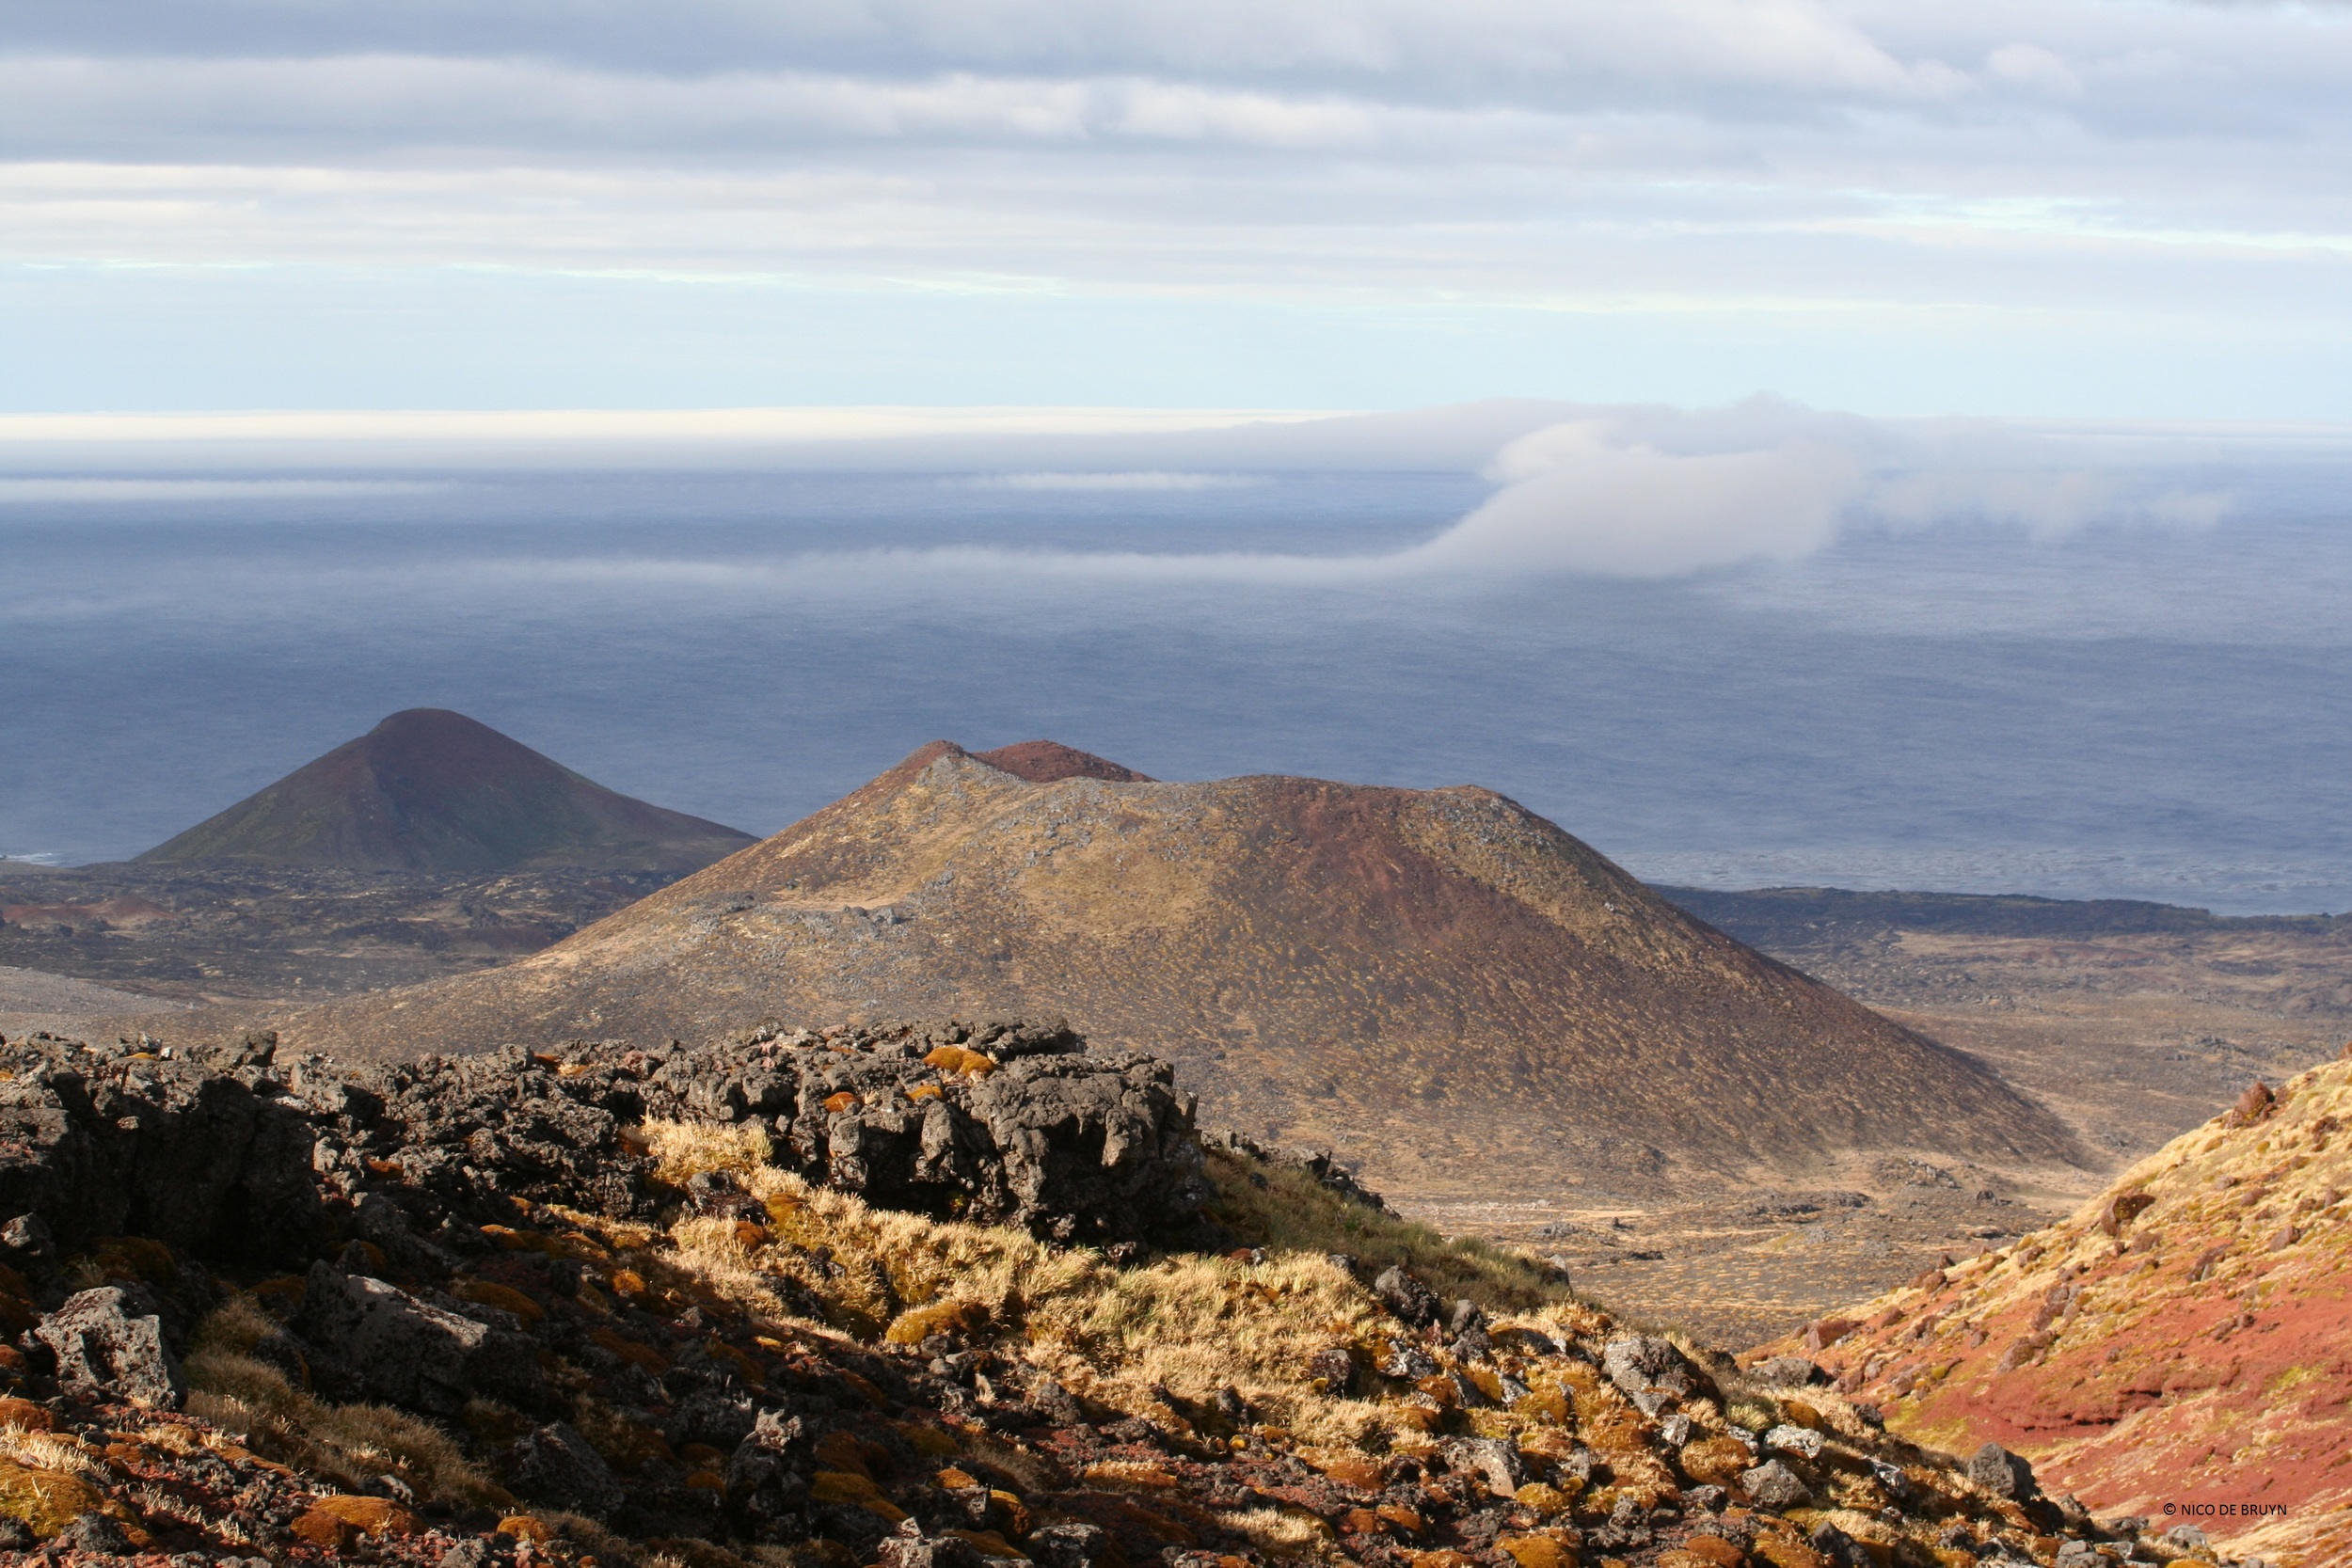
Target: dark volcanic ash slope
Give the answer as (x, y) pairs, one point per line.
(1439, 981)
(431, 790)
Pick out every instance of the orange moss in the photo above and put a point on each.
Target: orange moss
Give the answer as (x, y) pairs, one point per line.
(320, 1529)
(25, 1416)
(629, 1350)
(374, 1516)
(854, 1490)
(46, 1500)
(918, 1324)
(504, 1297)
(1536, 1551)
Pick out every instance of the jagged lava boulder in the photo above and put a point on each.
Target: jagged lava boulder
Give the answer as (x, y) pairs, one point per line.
(212, 1157)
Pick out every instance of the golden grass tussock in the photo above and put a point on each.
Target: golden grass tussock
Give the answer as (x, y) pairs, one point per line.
(51, 1453)
(1161, 1340)
(351, 1445)
(48, 1480)
(1282, 1533)
(1186, 1325)
(682, 1149)
(1279, 1208)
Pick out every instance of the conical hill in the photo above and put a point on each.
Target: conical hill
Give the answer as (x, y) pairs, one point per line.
(1440, 983)
(431, 790)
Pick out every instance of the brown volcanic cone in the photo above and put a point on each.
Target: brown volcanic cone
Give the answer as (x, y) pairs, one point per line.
(431, 790)
(1050, 761)
(1440, 982)
(2176, 1348)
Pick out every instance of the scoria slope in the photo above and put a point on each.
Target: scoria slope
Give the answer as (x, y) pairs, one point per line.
(431, 790)
(1441, 983)
(2174, 1350)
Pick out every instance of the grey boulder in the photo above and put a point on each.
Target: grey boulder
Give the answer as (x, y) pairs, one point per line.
(109, 1344)
(558, 1466)
(404, 1351)
(1074, 1544)
(1649, 1370)
(1491, 1459)
(1999, 1473)
(1405, 1297)
(1774, 1485)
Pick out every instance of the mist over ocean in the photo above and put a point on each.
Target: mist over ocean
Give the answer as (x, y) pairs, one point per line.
(2123, 711)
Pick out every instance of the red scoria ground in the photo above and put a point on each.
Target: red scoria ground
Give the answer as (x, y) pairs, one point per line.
(2180, 1348)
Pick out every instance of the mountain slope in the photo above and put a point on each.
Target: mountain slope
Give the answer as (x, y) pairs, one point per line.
(2175, 1348)
(1440, 982)
(431, 790)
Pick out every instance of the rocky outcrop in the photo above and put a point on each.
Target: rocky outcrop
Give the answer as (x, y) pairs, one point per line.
(212, 1157)
(999, 1123)
(512, 1347)
(236, 1154)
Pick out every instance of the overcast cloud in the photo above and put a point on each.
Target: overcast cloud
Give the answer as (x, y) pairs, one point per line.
(2073, 205)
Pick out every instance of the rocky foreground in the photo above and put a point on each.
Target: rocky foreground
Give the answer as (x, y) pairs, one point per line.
(921, 1297)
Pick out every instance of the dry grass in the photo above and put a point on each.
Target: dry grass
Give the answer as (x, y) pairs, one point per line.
(1188, 1325)
(1280, 1533)
(1185, 1327)
(52, 1453)
(683, 1150)
(1279, 1208)
(1159, 1341)
(351, 1445)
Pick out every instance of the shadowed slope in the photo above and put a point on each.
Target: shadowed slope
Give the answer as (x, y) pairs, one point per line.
(2178, 1343)
(431, 790)
(1440, 982)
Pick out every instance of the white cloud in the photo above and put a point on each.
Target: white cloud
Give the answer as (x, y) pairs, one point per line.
(2029, 65)
(2047, 505)
(1579, 497)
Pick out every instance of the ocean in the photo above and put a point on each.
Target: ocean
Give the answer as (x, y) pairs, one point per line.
(2152, 712)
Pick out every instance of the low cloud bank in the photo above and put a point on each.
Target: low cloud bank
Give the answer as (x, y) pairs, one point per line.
(1612, 491)
(1653, 492)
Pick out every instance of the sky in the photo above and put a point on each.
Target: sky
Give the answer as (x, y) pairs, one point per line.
(2071, 208)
